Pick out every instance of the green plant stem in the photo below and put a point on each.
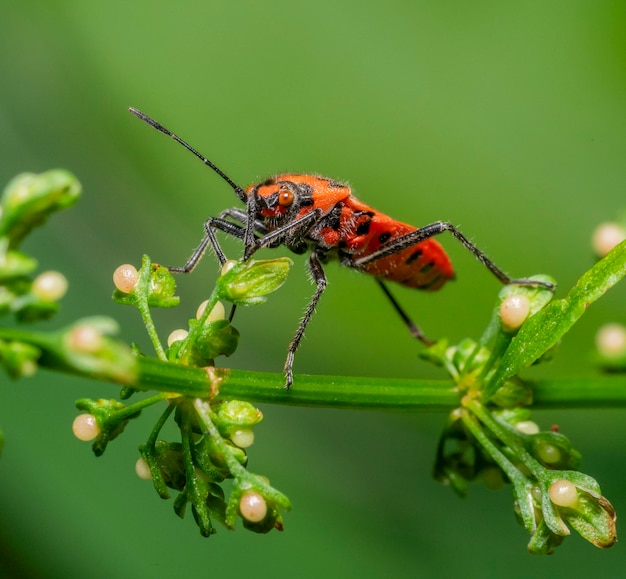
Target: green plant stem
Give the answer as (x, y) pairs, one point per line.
(522, 484)
(159, 425)
(411, 394)
(143, 308)
(330, 391)
(183, 353)
(370, 393)
(507, 438)
(342, 391)
(206, 417)
(133, 409)
(491, 448)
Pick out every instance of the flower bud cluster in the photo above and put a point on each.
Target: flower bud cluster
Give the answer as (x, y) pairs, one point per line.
(27, 201)
(493, 438)
(197, 466)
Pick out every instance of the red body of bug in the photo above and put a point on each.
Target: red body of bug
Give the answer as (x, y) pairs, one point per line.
(321, 216)
(353, 230)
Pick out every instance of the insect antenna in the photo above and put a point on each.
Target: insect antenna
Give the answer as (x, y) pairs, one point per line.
(159, 127)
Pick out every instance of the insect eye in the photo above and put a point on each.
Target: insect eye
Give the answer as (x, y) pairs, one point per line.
(285, 198)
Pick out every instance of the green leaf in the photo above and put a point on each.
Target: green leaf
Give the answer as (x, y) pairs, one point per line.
(247, 283)
(593, 518)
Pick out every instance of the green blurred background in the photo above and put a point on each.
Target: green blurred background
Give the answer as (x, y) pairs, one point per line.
(508, 119)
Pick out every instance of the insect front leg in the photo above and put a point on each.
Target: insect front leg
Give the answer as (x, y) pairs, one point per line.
(220, 223)
(437, 228)
(249, 237)
(319, 277)
(241, 216)
(210, 226)
(288, 233)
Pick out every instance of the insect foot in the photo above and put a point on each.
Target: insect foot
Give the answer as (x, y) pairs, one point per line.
(534, 281)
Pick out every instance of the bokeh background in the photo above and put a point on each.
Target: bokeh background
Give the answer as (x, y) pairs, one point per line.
(508, 119)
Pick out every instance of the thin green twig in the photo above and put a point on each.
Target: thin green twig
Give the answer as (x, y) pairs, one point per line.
(411, 394)
(370, 393)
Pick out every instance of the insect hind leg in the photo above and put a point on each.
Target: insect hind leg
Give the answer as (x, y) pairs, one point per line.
(437, 228)
(415, 330)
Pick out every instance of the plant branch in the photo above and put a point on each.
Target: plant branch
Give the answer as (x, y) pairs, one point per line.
(410, 394)
(323, 391)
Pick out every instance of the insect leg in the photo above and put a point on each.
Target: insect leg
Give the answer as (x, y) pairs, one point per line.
(296, 228)
(437, 228)
(249, 238)
(416, 332)
(317, 272)
(210, 225)
(220, 223)
(241, 216)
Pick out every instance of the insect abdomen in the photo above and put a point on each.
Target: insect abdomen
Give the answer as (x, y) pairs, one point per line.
(424, 265)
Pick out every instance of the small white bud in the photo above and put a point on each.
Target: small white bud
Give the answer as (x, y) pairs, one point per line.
(527, 427)
(253, 507)
(514, 310)
(563, 493)
(125, 278)
(142, 469)
(611, 340)
(85, 427)
(243, 438)
(228, 266)
(548, 453)
(606, 237)
(85, 339)
(217, 313)
(50, 286)
(176, 336)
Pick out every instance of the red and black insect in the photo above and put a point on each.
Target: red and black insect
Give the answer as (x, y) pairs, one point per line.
(309, 213)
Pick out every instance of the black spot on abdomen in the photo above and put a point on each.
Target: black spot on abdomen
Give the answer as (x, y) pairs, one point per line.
(414, 256)
(384, 237)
